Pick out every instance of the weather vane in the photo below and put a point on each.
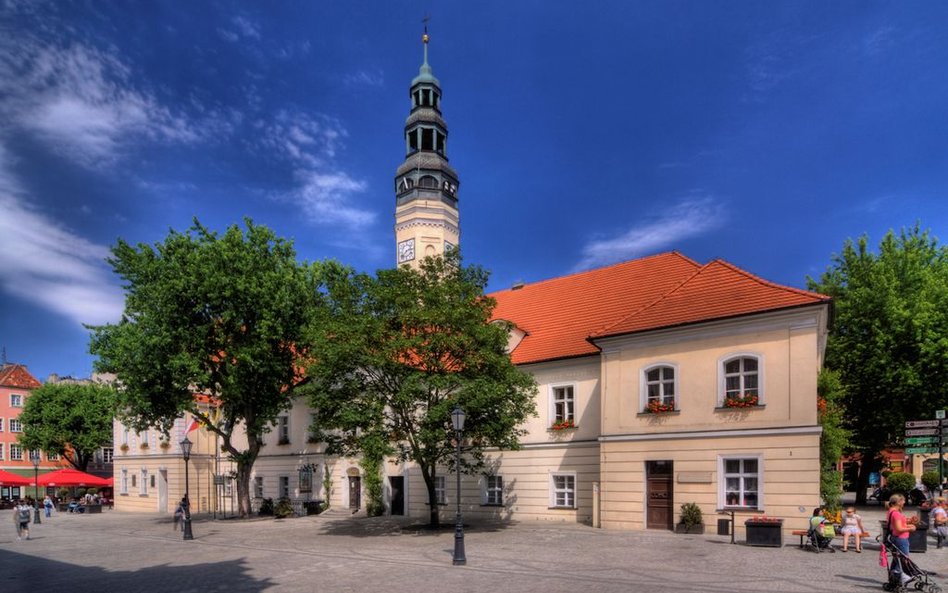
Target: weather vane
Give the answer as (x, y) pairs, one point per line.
(425, 21)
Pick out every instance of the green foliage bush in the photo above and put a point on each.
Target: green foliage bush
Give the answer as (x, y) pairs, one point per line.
(690, 514)
(283, 508)
(930, 479)
(266, 507)
(901, 482)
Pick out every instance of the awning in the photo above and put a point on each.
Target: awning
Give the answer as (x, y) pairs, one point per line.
(11, 479)
(72, 477)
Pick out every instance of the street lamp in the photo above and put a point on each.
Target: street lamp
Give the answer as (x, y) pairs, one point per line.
(457, 421)
(35, 455)
(186, 445)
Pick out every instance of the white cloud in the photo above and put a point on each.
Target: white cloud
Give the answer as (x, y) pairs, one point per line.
(244, 28)
(325, 197)
(689, 218)
(363, 78)
(82, 103)
(49, 265)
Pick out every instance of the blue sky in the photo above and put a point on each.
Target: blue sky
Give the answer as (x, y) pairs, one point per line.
(764, 133)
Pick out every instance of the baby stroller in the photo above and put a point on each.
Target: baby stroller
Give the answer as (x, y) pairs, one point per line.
(904, 574)
(818, 541)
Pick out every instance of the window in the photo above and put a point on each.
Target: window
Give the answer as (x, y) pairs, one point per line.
(740, 484)
(494, 490)
(16, 400)
(123, 482)
(16, 425)
(563, 491)
(1, 424)
(742, 379)
(143, 488)
(52, 456)
(258, 487)
(153, 480)
(16, 452)
(1, 451)
(311, 436)
(660, 389)
(428, 182)
(440, 497)
(134, 482)
(285, 486)
(125, 437)
(306, 479)
(563, 405)
(108, 454)
(283, 430)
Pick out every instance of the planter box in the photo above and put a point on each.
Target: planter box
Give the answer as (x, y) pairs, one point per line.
(690, 529)
(918, 539)
(93, 508)
(764, 533)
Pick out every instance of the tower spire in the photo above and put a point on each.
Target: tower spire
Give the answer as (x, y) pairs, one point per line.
(426, 201)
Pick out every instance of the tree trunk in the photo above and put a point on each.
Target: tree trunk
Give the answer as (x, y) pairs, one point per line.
(428, 473)
(245, 461)
(868, 464)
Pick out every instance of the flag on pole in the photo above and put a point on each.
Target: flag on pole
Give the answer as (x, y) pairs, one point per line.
(194, 425)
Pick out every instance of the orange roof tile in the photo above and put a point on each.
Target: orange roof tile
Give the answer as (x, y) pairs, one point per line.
(16, 375)
(561, 315)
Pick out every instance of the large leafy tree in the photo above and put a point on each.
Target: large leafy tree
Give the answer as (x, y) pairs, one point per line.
(889, 340)
(399, 351)
(221, 315)
(71, 420)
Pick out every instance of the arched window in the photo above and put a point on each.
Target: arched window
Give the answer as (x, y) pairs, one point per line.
(659, 388)
(429, 182)
(741, 381)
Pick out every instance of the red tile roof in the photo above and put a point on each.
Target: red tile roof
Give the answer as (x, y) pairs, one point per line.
(561, 315)
(16, 375)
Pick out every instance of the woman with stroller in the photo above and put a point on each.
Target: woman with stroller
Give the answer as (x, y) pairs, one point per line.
(898, 526)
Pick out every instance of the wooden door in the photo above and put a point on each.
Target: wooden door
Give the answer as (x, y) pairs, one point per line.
(397, 484)
(659, 495)
(355, 493)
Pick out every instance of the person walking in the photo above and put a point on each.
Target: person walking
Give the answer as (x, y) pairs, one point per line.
(939, 519)
(21, 515)
(48, 506)
(179, 513)
(852, 526)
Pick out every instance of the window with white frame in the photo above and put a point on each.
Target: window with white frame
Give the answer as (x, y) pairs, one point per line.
(283, 430)
(306, 479)
(16, 452)
(123, 482)
(108, 454)
(143, 483)
(16, 400)
(563, 404)
(258, 486)
(660, 387)
(1, 424)
(1, 451)
(440, 496)
(285, 486)
(16, 425)
(740, 482)
(494, 490)
(52, 456)
(742, 383)
(563, 491)
(125, 437)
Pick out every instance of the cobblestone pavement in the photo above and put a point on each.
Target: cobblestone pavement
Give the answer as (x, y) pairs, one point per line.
(135, 552)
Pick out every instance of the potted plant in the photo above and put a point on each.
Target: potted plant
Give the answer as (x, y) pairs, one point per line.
(657, 407)
(123, 447)
(748, 400)
(690, 520)
(563, 425)
(165, 445)
(764, 531)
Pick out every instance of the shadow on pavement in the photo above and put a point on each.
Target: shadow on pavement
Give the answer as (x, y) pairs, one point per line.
(390, 526)
(23, 572)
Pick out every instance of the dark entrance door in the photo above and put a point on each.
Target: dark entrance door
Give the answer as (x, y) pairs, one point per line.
(397, 484)
(355, 493)
(659, 495)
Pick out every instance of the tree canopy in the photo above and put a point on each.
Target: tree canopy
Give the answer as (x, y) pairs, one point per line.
(399, 350)
(889, 340)
(220, 315)
(70, 420)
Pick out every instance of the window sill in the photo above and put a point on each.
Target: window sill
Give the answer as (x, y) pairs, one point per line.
(755, 510)
(493, 504)
(281, 443)
(657, 414)
(720, 408)
(561, 508)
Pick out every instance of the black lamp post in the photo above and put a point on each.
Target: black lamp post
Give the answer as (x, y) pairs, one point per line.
(457, 421)
(186, 445)
(35, 455)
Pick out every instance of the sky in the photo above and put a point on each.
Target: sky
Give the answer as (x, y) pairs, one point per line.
(584, 134)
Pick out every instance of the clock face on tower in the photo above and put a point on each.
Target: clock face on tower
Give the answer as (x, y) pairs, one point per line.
(406, 251)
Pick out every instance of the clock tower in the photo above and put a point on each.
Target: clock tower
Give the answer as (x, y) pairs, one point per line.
(426, 187)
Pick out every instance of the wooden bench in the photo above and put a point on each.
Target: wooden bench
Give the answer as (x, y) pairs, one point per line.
(802, 533)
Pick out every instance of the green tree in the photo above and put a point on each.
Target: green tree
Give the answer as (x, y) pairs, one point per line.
(71, 420)
(889, 340)
(834, 439)
(400, 350)
(221, 315)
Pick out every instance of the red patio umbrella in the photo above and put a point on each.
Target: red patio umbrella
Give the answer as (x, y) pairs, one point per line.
(72, 477)
(12, 479)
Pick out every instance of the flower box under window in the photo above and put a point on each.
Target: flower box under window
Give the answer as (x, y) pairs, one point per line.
(748, 400)
(563, 425)
(657, 407)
